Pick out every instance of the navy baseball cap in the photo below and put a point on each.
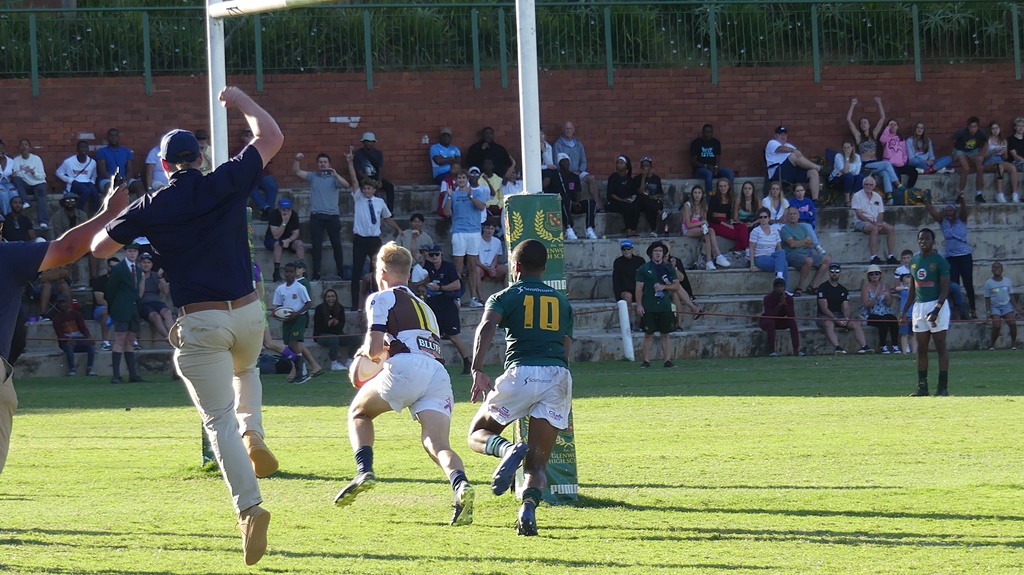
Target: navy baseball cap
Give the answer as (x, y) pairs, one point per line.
(781, 130)
(284, 203)
(434, 249)
(179, 147)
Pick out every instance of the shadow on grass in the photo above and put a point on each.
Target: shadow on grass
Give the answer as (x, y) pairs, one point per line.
(972, 374)
(588, 502)
(75, 570)
(738, 487)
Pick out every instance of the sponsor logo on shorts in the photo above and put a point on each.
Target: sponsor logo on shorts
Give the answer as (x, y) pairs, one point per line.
(554, 415)
(501, 411)
(448, 404)
(536, 381)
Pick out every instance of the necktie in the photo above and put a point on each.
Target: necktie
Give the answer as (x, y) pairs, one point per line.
(135, 278)
(373, 214)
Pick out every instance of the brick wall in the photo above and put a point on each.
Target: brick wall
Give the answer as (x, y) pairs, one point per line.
(646, 112)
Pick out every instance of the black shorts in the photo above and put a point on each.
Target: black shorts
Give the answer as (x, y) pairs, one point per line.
(148, 307)
(269, 242)
(662, 322)
(133, 325)
(447, 319)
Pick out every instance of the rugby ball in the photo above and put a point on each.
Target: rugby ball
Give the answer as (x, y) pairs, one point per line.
(363, 369)
(282, 313)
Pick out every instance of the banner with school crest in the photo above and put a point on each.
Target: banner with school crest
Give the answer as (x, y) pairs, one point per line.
(539, 217)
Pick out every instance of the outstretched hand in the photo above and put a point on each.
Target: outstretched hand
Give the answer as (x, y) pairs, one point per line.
(229, 95)
(117, 198)
(481, 385)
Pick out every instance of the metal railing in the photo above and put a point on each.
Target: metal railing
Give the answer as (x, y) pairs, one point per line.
(145, 42)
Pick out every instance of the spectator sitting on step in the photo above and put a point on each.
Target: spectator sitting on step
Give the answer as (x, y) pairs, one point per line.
(100, 310)
(867, 142)
(414, 238)
(369, 163)
(808, 213)
(681, 298)
(622, 197)
(748, 203)
(52, 279)
(443, 155)
(69, 216)
(846, 170)
(651, 194)
(492, 181)
(877, 298)
(443, 292)
(8, 190)
(624, 273)
(17, 226)
(921, 152)
(569, 145)
(205, 151)
(722, 215)
(79, 173)
(705, 156)
(329, 329)
(694, 225)
(894, 151)
(780, 313)
(488, 149)
(968, 145)
(511, 184)
(29, 177)
(766, 252)
(834, 312)
(785, 162)
(324, 192)
(264, 195)
(566, 184)
(684, 280)
(492, 264)
(996, 159)
(283, 229)
(418, 276)
(155, 175)
(547, 154)
(1015, 145)
(868, 217)
(776, 204)
(153, 287)
(117, 159)
(800, 252)
(1000, 304)
(73, 335)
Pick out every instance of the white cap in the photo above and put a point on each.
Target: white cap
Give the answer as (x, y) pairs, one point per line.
(368, 136)
(562, 156)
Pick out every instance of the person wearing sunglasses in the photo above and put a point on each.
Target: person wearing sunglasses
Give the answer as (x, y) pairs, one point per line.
(834, 312)
(624, 272)
(877, 297)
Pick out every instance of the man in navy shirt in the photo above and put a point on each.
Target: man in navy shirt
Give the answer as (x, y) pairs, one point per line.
(198, 225)
(20, 262)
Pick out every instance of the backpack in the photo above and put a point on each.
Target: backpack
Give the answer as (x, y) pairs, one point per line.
(903, 196)
(270, 364)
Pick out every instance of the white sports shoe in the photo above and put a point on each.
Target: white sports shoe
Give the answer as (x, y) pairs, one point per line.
(337, 366)
(570, 234)
(710, 266)
(1001, 198)
(473, 302)
(1016, 198)
(820, 248)
(590, 234)
(723, 261)
(43, 225)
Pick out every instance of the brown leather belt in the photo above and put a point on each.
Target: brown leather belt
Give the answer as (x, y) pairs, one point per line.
(226, 305)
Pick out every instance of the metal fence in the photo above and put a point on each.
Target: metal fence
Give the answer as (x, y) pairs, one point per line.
(482, 36)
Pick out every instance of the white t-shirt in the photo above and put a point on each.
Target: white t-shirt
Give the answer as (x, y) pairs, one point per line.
(764, 244)
(292, 296)
(773, 158)
(870, 205)
(489, 250)
(418, 274)
(159, 175)
(776, 214)
(512, 189)
(74, 171)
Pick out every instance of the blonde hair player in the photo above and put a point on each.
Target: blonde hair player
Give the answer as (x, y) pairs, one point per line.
(403, 334)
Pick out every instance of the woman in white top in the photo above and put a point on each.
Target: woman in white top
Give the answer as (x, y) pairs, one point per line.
(846, 170)
(694, 224)
(7, 189)
(546, 158)
(766, 253)
(995, 161)
(775, 203)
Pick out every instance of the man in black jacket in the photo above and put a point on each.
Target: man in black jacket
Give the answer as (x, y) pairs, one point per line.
(624, 273)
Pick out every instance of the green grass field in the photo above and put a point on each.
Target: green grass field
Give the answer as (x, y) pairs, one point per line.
(790, 466)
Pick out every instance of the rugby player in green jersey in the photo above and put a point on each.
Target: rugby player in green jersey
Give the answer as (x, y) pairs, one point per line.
(929, 288)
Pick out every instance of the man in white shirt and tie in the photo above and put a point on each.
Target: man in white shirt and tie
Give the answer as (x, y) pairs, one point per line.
(369, 212)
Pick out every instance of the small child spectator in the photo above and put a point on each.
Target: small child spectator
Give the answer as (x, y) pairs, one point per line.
(999, 300)
(293, 295)
(908, 342)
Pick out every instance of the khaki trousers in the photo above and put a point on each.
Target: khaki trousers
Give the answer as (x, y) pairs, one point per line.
(216, 352)
(8, 405)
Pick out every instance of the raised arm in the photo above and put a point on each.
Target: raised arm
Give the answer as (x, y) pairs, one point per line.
(297, 167)
(932, 211)
(881, 118)
(267, 136)
(849, 121)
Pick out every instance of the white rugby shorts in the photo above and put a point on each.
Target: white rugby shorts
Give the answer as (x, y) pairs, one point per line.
(919, 317)
(415, 381)
(541, 391)
(465, 243)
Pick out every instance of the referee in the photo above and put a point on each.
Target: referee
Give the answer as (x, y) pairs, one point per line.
(198, 225)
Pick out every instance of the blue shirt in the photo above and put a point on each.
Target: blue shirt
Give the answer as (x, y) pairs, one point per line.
(449, 151)
(198, 226)
(465, 215)
(956, 237)
(19, 264)
(116, 159)
(806, 209)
